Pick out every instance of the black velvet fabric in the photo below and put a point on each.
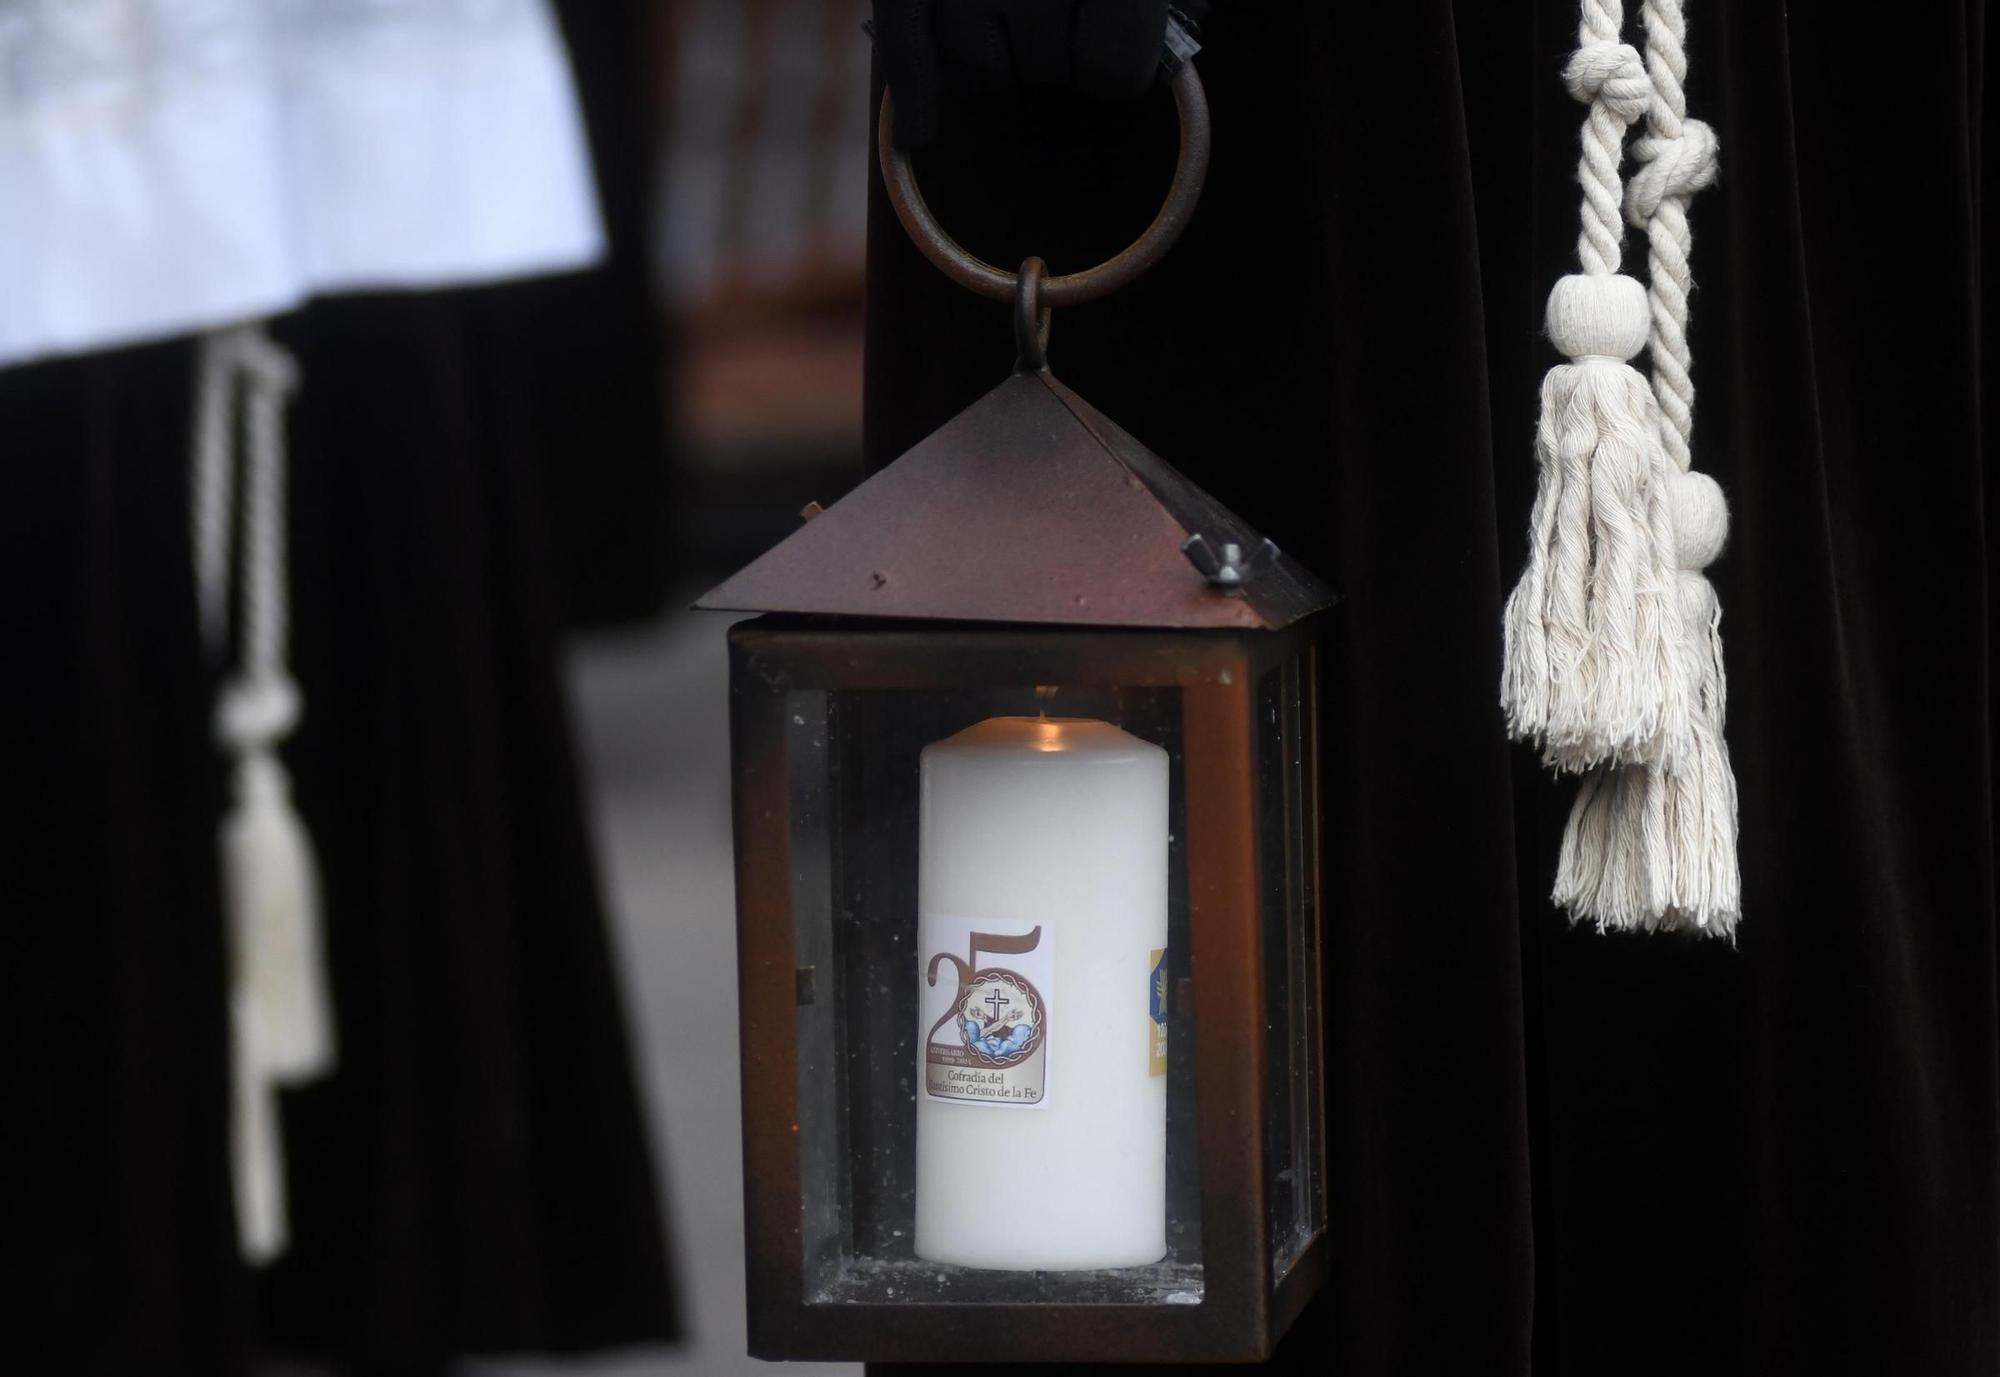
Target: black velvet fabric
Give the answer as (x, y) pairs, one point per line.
(1109, 49)
(119, 1253)
(594, 346)
(477, 1177)
(1553, 1150)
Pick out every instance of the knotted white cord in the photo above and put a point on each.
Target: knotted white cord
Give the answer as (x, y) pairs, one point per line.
(269, 376)
(212, 494)
(1651, 840)
(1675, 158)
(1605, 74)
(280, 1015)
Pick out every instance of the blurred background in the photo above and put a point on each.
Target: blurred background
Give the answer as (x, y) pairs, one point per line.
(760, 154)
(758, 159)
(513, 462)
(755, 237)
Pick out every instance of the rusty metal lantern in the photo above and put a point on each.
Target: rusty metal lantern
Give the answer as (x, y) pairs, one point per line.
(1028, 557)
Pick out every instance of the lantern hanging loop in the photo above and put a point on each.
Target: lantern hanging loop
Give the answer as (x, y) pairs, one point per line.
(1031, 318)
(1068, 289)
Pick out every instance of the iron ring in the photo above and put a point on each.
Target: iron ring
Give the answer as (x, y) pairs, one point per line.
(1070, 289)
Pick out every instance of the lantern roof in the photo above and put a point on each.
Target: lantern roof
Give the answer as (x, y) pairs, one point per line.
(1029, 506)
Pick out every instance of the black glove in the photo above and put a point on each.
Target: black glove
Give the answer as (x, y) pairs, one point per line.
(1108, 49)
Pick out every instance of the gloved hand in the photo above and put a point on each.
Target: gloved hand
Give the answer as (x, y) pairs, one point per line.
(929, 49)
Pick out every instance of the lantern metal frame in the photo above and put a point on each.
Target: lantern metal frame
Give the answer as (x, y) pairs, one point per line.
(1246, 1301)
(1029, 543)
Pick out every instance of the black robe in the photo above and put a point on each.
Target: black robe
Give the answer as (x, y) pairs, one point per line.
(475, 1175)
(1549, 1149)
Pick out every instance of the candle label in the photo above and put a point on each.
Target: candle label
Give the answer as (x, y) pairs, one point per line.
(987, 1012)
(1156, 1002)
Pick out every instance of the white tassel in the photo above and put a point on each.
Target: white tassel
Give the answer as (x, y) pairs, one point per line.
(1651, 840)
(271, 890)
(256, 1153)
(1592, 628)
(1592, 632)
(1654, 846)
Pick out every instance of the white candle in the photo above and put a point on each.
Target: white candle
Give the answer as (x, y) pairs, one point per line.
(1041, 1068)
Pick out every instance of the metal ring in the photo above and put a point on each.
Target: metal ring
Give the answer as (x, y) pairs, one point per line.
(1070, 289)
(1031, 318)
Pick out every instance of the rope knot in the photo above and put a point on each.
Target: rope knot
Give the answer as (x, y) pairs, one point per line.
(254, 713)
(1611, 75)
(1669, 168)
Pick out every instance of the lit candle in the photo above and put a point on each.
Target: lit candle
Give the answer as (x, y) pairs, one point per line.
(1041, 1090)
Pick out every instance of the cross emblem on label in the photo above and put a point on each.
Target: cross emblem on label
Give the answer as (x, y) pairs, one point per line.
(997, 1001)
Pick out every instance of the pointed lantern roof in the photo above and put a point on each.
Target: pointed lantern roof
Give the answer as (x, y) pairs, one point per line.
(1028, 506)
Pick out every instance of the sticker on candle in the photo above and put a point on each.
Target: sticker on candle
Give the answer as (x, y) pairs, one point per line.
(986, 998)
(1156, 1009)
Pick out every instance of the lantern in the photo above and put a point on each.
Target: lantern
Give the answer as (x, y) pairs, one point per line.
(1027, 856)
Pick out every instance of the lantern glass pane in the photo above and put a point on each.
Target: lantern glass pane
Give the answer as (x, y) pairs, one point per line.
(1069, 1041)
(1295, 1188)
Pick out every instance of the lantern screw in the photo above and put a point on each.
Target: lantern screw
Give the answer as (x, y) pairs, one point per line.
(1227, 567)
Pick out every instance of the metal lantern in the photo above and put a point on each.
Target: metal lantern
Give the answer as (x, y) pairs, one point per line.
(1027, 856)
